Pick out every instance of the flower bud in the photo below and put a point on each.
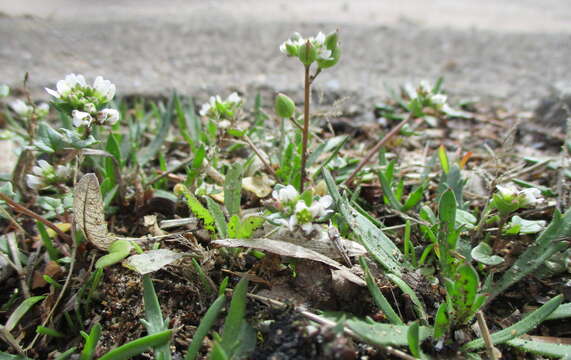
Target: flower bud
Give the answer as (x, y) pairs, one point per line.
(335, 55)
(284, 106)
(307, 53)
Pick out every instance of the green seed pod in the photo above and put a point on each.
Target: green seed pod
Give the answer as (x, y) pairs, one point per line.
(307, 54)
(284, 106)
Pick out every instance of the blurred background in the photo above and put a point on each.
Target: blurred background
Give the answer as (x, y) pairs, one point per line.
(514, 51)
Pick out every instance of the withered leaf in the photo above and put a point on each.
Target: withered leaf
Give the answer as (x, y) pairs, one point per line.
(292, 250)
(88, 212)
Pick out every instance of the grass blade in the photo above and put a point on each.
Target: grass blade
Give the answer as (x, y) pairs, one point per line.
(378, 296)
(154, 317)
(541, 348)
(138, 346)
(526, 324)
(233, 189)
(381, 248)
(20, 311)
(235, 317)
(205, 325)
(91, 343)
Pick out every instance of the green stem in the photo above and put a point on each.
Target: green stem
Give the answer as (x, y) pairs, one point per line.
(305, 127)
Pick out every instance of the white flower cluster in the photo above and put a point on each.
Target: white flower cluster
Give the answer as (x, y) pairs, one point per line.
(295, 210)
(84, 100)
(291, 46)
(524, 198)
(45, 174)
(24, 110)
(424, 92)
(221, 109)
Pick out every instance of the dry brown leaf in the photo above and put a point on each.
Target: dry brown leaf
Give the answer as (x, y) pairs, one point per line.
(292, 250)
(88, 212)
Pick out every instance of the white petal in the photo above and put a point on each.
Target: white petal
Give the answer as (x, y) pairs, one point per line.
(52, 92)
(307, 227)
(33, 182)
(81, 80)
(283, 48)
(300, 206)
(204, 109)
(44, 165)
(320, 38)
(234, 98)
(62, 87)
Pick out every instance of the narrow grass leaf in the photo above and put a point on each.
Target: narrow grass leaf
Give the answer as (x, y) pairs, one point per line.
(381, 248)
(219, 219)
(20, 311)
(205, 325)
(235, 317)
(385, 334)
(541, 348)
(139, 346)
(47, 241)
(154, 319)
(413, 339)
(562, 312)
(91, 343)
(233, 189)
(526, 324)
(378, 296)
(66, 354)
(405, 288)
(148, 153)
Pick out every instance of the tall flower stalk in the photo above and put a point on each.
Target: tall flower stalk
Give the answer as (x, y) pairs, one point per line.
(323, 50)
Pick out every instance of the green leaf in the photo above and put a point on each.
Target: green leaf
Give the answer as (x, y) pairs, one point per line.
(441, 321)
(166, 118)
(139, 346)
(378, 296)
(443, 159)
(204, 327)
(49, 331)
(541, 348)
(20, 311)
(415, 197)
(197, 209)
(526, 324)
(522, 226)
(153, 321)
(235, 318)
(413, 339)
(219, 218)
(233, 189)
(243, 229)
(549, 242)
(464, 295)
(118, 250)
(405, 288)
(91, 342)
(385, 334)
(53, 252)
(48, 140)
(381, 248)
(562, 312)
(388, 191)
(483, 253)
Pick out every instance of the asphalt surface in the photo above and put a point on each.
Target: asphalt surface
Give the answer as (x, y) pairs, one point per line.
(513, 51)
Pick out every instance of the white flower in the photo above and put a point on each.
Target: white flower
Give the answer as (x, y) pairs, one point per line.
(109, 116)
(530, 197)
(324, 54)
(34, 182)
(89, 108)
(20, 107)
(320, 208)
(104, 87)
(438, 99)
(425, 86)
(286, 194)
(290, 223)
(62, 172)
(43, 168)
(507, 191)
(234, 98)
(295, 40)
(81, 118)
(64, 87)
(211, 104)
(319, 39)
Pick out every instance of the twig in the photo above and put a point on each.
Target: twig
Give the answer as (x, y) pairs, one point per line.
(260, 155)
(9, 338)
(376, 148)
(22, 209)
(329, 323)
(61, 294)
(490, 349)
